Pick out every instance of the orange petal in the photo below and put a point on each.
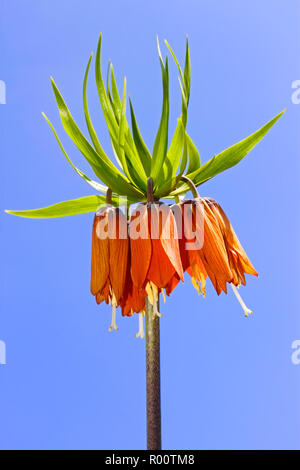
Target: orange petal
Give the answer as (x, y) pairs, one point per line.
(118, 255)
(140, 245)
(100, 257)
(231, 239)
(133, 299)
(161, 270)
(172, 284)
(169, 238)
(214, 249)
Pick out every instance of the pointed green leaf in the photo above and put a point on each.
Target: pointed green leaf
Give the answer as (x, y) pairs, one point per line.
(102, 166)
(136, 170)
(161, 140)
(131, 141)
(185, 80)
(122, 129)
(174, 154)
(115, 94)
(193, 154)
(63, 209)
(94, 184)
(183, 158)
(187, 72)
(232, 155)
(142, 149)
(88, 120)
(81, 205)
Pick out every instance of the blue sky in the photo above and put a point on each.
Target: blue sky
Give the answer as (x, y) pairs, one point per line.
(227, 381)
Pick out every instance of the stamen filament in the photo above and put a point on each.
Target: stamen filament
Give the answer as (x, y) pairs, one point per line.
(141, 332)
(247, 311)
(113, 325)
(155, 310)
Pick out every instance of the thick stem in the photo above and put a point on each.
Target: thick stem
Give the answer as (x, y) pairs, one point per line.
(153, 379)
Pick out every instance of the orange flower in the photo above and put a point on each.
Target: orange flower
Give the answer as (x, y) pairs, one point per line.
(220, 256)
(203, 250)
(109, 266)
(238, 260)
(155, 253)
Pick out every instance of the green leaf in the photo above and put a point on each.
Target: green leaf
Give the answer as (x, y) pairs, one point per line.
(187, 72)
(193, 154)
(161, 140)
(172, 160)
(115, 94)
(142, 149)
(167, 187)
(63, 209)
(183, 158)
(232, 155)
(136, 170)
(94, 184)
(88, 120)
(102, 166)
(133, 141)
(174, 154)
(184, 81)
(122, 129)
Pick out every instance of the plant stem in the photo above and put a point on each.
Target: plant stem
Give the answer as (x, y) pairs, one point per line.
(192, 185)
(153, 379)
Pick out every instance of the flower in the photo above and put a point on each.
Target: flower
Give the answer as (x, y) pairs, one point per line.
(202, 249)
(238, 260)
(109, 264)
(154, 246)
(210, 247)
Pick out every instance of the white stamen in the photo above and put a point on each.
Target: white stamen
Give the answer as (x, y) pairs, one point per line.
(141, 333)
(247, 311)
(113, 325)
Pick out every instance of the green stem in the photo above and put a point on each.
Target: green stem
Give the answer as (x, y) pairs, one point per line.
(153, 379)
(191, 184)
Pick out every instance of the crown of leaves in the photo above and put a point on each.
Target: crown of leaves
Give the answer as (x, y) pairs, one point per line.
(167, 163)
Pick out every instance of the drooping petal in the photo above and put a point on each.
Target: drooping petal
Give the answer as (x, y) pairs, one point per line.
(100, 255)
(215, 255)
(172, 284)
(104, 294)
(169, 239)
(160, 269)
(118, 255)
(140, 245)
(238, 258)
(133, 299)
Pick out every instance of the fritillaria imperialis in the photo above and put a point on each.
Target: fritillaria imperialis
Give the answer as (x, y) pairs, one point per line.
(142, 243)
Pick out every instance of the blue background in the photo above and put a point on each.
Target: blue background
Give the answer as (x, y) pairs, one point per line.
(227, 381)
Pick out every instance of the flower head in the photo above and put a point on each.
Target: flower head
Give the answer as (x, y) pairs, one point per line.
(154, 245)
(110, 257)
